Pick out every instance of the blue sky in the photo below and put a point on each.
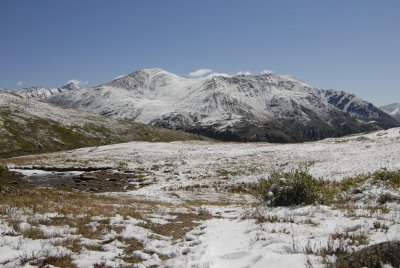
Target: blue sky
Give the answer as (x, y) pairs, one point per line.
(347, 45)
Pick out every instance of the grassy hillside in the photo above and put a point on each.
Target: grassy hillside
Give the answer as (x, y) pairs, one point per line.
(28, 126)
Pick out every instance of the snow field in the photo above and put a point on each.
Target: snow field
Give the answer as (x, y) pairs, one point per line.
(188, 192)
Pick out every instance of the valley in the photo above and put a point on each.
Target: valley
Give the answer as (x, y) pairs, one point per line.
(199, 134)
(194, 204)
(150, 170)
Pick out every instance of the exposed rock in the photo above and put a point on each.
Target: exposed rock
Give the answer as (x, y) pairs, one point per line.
(374, 256)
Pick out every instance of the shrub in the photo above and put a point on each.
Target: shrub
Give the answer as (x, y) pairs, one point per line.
(390, 177)
(2, 172)
(296, 187)
(350, 182)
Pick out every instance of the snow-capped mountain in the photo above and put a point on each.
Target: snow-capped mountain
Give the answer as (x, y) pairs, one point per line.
(264, 107)
(392, 109)
(42, 93)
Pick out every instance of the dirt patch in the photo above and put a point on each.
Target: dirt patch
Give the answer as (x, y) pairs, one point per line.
(93, 181)
(10, 178)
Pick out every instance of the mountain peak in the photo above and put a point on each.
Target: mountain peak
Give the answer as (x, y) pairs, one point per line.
(151, 72)
(392, 105)
(392, 109)
(241, 107)
(71, 86)
(145, 79)
(42, 93)
(265, 107)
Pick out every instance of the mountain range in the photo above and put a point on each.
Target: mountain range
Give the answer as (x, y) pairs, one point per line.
(392, 109)
(42, 93)
(266, 107)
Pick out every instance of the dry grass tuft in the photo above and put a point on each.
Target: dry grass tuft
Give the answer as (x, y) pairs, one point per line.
(33, 233)
(132, 245)
(72, 244)
(177, 228)
(55, 261)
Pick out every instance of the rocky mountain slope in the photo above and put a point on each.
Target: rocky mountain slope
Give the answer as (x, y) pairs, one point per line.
(265, 107)
(29, 126)
(392, 109)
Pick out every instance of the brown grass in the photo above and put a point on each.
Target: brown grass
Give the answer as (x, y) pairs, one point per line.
(132, 245)
(94, 247)
(57, 261)
(15, 222)
(75, 209)
(70, 203)
(351, 238)
(177, 228)
(33, 233)
(72, 244)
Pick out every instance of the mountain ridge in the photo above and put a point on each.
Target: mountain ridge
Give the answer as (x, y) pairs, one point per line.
(30, 126)
(266, 107)
(43, 93)
(392, 109)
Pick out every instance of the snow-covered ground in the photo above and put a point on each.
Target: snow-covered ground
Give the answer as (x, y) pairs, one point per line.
(183, 163)
(202, 179)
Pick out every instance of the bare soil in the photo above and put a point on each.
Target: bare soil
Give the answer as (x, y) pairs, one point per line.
(93, 181)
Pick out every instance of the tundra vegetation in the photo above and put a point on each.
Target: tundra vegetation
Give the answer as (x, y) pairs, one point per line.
(176, 201)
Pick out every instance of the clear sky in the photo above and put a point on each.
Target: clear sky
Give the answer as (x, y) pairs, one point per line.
(350, 45)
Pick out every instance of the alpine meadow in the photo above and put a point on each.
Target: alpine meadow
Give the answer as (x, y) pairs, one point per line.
(202, 134)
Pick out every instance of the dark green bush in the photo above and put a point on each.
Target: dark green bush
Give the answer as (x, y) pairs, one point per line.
(2, 171)
(296, 187)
